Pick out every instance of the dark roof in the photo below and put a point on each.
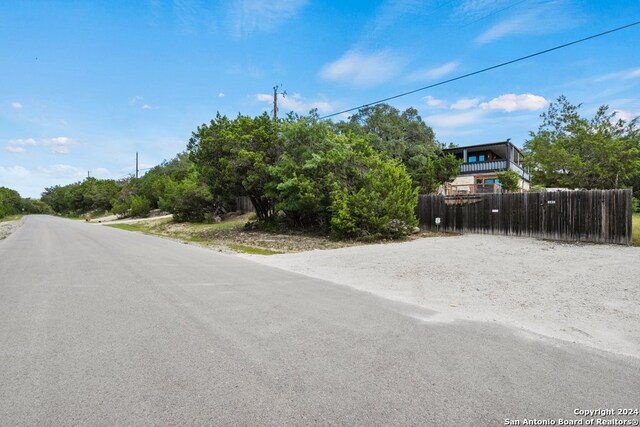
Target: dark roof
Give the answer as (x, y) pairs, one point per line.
(480, 146)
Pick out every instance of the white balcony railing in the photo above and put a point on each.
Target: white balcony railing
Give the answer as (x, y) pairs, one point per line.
(493, 165)
(489, 166)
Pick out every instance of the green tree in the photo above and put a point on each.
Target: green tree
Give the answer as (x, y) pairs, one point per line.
(337, 182)
(34, 206)
(234, 157)
(153, 185)
(140, 206)
(10, 202)
(406, 137)
(189, 200)
(569, 150)
(509, 180)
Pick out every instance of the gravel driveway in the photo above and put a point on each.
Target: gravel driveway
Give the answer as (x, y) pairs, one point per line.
(582, 293)
(9, 227)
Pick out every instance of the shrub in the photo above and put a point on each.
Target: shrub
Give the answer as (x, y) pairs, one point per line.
(140, 206)
(383, 205)
(509, 180)
(191, 200)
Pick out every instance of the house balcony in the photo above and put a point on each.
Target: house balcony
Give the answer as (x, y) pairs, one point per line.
(459, 190)
(493, 166)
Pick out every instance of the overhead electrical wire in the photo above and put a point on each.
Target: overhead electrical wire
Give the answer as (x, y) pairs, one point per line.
(493, 67)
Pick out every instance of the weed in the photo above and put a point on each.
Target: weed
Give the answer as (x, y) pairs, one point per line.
(251, 249)
(11, 218)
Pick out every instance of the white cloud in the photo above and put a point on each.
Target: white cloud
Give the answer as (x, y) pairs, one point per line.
(101, 173)
(476, 112)
(455, 119)
(134, 99)
(476, 7)
(434, 73)
(391, 10)
(248, 16)
(297, 103)
(433, 102)
(264, 97)
(221, 95)
(13, 149)
(511, 102)
(14, 172)
(59, 144)
(540, 18)
(625, 115)
(63, 171)
(620, 75)
(515, 25)
(28, 141)
(16, 106)
(61, 140)
(465, 103)
(60, 149)
(363, 69)
(147, 107)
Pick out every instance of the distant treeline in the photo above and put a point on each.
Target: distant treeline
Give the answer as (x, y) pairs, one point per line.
(355, 178)
(352, 179)
(12, 204)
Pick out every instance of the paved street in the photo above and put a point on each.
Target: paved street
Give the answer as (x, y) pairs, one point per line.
(100, 326)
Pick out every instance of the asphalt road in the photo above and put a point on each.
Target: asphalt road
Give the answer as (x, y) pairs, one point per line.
(100, 326)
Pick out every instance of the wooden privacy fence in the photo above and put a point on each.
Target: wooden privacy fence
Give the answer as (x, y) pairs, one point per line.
(244, 205)
(602, 216)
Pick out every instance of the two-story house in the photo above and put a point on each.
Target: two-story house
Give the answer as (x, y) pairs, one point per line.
(480, 165)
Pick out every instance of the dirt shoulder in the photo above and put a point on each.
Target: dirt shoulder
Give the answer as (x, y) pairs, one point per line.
(582, 293)
(8, 227)
(232, 235)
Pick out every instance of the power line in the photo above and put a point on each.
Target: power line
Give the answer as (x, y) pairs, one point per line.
(493, 67)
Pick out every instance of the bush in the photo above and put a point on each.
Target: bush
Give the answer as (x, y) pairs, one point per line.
(33, 206)
(635, 204)
(340, 184)
(509, 180)
(10, 202)
(121, 207)
(140, 206)
(383, 205)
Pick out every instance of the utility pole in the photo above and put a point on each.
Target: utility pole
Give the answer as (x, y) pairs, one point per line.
(88, 176)
(136, 165)
(275, 101)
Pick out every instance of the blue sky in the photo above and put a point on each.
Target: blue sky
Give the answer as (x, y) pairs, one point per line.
(86, 84)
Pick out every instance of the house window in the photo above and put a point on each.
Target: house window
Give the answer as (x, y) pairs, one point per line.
(472, 159)
(488, 181)
(481, 158)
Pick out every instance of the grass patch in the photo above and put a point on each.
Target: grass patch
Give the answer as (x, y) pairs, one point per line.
(251, 249)
(131, 227)
(231, 234)
(11, 218)
(635, 233)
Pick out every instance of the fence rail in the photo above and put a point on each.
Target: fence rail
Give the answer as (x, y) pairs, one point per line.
(602, 216)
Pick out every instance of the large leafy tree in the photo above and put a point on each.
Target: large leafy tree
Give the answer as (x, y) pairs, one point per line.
(569, 150)
(337, 182)
(234, 156)
(89, 195)
(404, 136)
(10, 202)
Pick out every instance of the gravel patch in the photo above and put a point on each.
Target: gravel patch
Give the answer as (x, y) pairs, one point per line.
(8, 227)
(581, 293)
